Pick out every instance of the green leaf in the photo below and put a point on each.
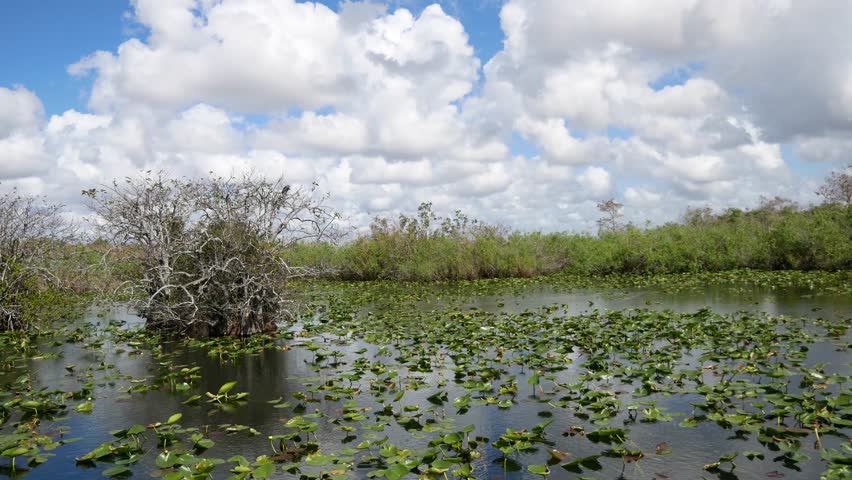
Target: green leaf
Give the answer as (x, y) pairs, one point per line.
(264, 471)
(136, 430)
(608, 435)
(440, 466)
(396, 471)
(119, 471)
(39, 459)
(318, 460)
(462, 402)
(590, 462)
(539, 469)
(727, 457)
(14, 451)
(227, 387)
(534, 379)
(205, 443)
(688, 422)
(166, 460)
(174, 418)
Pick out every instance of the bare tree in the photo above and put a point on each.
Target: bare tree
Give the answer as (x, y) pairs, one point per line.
(776, 204)
(32, 232)
(208, 251)
(611, 221)
(698, 216)
(837, 187)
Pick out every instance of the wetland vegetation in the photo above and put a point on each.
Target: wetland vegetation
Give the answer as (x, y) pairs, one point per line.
(172, 346)
(735, 375)
(778, 235)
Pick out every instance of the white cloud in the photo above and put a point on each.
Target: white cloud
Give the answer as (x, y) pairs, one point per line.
(836, 148)
(20, 109)
(334, 133)
(641, 196)
(250, 55)
(22, 152)
(376, 170)
(688, 102)
(23, 156)
(205, 129)
(493, 179)
(555, 139)
(596, 181)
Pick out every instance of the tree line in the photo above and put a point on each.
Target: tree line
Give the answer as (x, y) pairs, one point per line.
(214, 256)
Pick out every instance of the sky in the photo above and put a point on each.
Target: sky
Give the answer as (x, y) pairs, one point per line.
(525, 113)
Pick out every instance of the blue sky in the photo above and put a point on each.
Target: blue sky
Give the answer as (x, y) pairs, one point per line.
(41, 38)
(660, 108)
(41, 46)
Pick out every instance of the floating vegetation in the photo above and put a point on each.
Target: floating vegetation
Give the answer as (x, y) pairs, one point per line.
(407, 381)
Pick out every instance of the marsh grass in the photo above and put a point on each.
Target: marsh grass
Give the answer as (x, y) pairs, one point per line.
(776, 236)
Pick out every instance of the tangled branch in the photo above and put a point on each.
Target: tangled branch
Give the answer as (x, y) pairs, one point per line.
(207, 252)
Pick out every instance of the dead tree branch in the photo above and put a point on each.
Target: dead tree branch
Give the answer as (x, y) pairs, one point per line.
(208, 251)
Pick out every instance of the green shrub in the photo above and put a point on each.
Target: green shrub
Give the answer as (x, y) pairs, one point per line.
(777, 235)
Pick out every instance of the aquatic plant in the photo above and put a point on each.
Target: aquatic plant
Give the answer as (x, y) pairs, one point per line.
(406, 381)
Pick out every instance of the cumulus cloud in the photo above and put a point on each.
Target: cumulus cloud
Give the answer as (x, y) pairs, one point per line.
(555, 139)
(641, 196)
(693, 90)
(689, 102)
(23, 156)
(837, 148)
(22, 152)
(20, 110)
(596, 181)
(312, 133)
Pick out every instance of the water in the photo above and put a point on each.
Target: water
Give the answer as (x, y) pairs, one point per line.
(284, 372)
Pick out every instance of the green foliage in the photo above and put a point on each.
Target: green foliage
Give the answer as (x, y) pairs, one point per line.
(392, 368)
(33, 237)
(776, 236)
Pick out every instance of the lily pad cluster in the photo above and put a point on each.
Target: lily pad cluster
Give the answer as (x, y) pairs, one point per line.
(407, 381)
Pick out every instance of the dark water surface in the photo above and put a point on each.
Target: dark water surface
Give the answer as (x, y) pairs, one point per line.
(282, 372)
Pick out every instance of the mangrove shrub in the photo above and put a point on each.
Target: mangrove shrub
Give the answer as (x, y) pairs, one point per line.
(32, 234)
(206, 253)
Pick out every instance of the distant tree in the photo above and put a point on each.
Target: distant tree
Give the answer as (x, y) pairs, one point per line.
(611, 221)
(428, 224)
(775, 204)
(32, 232)
(837, 187)
(461, 226)
(419, 226)
(208, 251)
(698, 216)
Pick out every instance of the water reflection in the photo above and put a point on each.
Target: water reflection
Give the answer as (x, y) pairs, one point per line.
(791, 302)
(279, 373)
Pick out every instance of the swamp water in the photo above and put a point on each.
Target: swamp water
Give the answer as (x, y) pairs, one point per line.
(397, 383)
